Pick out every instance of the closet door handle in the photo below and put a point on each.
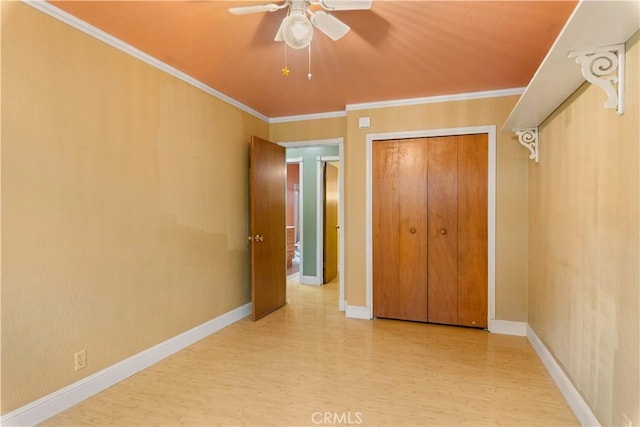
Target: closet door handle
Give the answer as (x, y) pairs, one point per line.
(443, 231)
(412, 230)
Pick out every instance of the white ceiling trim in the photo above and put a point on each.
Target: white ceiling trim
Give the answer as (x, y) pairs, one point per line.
(85, 27)
(329, 115)
(436, 99)
(402, 102)
(311, 143)
(95, 32)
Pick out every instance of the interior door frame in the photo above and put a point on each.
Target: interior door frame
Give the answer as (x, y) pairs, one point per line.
(316, 143)
(490, 130)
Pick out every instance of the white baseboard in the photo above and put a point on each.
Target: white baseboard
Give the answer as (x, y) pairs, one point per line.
(56, 402)
(572, 396)
(310, 280)
(507, 327)
(342, 305)
(358, 312)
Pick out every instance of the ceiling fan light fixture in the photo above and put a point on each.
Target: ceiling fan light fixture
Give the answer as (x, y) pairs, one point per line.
(330, 25)
(297, 31)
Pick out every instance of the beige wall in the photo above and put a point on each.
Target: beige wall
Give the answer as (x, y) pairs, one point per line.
(123, 205)
(511, 232)
(583, 245)
(511, 188)
(309, 130)
(122, 188)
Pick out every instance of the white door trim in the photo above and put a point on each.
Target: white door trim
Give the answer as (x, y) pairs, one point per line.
(316, 143)
(490, 130)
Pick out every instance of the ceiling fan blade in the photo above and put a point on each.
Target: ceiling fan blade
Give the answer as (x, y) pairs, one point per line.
(278, 37)
(330, 25)
(345, 4)
(245, 10)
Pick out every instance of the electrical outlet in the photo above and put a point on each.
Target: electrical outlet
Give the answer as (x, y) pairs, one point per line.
(626, 422)
(80, 359)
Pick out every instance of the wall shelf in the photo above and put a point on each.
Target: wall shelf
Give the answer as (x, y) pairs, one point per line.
(592, 25)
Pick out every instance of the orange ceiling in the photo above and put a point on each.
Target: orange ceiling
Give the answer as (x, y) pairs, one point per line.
(396, 50)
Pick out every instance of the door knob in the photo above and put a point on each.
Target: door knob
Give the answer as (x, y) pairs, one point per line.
(412, 230)
(257, 238)
(443, 231)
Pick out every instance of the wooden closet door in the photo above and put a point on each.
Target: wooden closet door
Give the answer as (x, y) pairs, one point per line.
(385, 197)
(400, 229)
(443, 230)
(412, 228)
(430, 257)
(472, 230)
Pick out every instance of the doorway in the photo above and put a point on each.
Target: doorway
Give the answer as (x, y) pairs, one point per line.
(293, 217)
(309, 247)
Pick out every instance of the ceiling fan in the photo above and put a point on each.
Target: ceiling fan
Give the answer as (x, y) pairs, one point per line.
(296, 29)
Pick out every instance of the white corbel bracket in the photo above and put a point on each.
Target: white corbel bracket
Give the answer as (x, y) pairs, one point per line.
(529, 139)
(604, 67)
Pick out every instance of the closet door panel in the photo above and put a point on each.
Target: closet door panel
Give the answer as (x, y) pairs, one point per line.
(412, 231)
(442, 230)
(472, 230)
(387, 295)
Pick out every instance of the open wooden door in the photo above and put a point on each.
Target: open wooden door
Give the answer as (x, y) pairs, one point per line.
(268, 226)
(330, 244)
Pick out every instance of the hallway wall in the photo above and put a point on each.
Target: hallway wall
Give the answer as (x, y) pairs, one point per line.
(584, 292)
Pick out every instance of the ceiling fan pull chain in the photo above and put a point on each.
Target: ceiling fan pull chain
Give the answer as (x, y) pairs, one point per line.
(309, 75)
(285, 69)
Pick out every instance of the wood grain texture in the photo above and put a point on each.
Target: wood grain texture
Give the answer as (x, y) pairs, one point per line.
(472, 230)
(307, 358)
(430, 230)
(443, 230)
(385, 199)
(268, 219)
(400, 226)
(330, 222)
(412, 229)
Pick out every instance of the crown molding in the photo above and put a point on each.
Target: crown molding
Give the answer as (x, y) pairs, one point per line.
(96, 33)
(436, 99)
(73, 21)
(402, 102)
(302, 117)
(311, 143)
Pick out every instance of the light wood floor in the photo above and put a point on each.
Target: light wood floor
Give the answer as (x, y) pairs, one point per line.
(306, 360)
